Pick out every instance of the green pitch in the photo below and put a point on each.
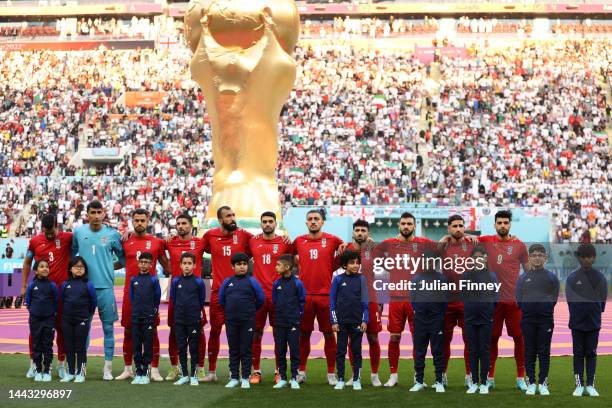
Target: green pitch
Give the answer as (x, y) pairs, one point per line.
(316, 393)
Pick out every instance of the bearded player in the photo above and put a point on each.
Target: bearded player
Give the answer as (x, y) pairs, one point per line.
(183, 242)
(315, 253)
(55, 247)
(138, 243)
(364, 245)
(506, 255)
(265, 249)
(457, 247)
(221, 243)
(400, 309)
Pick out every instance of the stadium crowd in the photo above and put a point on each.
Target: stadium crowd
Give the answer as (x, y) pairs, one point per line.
(350, 132)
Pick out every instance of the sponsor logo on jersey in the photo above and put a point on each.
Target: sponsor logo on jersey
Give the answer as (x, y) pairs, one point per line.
(231, 284)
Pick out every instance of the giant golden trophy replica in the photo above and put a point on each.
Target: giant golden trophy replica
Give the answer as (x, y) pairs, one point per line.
(242, 59)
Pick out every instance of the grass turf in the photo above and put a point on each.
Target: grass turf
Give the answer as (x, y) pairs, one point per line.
(97, 393)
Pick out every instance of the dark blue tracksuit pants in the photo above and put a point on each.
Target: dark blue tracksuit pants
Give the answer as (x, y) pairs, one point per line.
(42, 330)
(76, 331)
(143, 329)
(282, 337)
(538, 337)
(187, 335)
(353, 332)
(426, 333)
(479, 344)
(585, 350)
(240, 343)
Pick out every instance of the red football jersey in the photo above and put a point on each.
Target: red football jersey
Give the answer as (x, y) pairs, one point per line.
(221, 247)
(177, 246)
(132, 249)
(456, 250)
(505, 259)
(265, 253)
(395, 246)
(57, 252)
(316, 261)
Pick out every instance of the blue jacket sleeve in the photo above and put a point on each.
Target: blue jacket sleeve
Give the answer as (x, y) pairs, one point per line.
(333, 294)
(28, 296)
(55, 297)
(157, 297)
(604, 294)
(132, 290)
(222, 292)
(201, 293)
(63, 291)
(260, 297)
(274, 294)
(93, 298)
(569, 294)
(173, 289)
(364, 300)
(519, 291)
(555, 288)
(302, 296)
(496, 294)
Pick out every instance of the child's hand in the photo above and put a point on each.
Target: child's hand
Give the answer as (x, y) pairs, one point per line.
(363, 327)
(335, 328)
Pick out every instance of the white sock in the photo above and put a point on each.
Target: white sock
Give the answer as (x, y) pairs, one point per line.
(128, 368)
(60, 364)
(108, 365)
(301, 372)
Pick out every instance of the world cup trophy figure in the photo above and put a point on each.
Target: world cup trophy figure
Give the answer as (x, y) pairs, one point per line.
(242, 60)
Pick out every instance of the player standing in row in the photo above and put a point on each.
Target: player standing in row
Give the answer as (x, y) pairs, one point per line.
(457, 247)
(176, 246)
(266, 249)
(506, 255)
(138, 243)
(315, 253)
(55, 247)
(361, 243)
(221, 243)
(400, 309)
(99, 245)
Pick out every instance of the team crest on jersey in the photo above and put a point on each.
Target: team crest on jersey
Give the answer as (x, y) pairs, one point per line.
(415, 247)
(366, 255)
(464, 246)
(275, 248)
(104, 240)
(324, 242)
(235, 238)
(509, 250)
(192, 245)
(58, 244)
(148, 245)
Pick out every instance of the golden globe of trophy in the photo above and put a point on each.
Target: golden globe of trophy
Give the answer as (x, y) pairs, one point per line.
(242, 60)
